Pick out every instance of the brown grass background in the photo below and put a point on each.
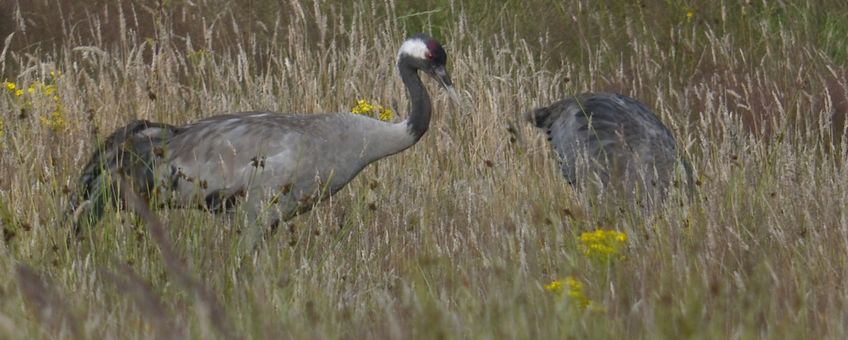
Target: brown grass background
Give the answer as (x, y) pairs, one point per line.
(457, 236)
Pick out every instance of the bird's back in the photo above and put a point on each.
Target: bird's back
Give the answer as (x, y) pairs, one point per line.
(216, 162)
(610, 137)
(230, 154)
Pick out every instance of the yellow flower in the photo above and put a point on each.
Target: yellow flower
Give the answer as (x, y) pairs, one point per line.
(10, 86)
(554, 287)
(363, 107)
(386, 114)
(602, 245)
(575, 292)
(31, 89)
(19, 93)
(689, 15)
(572, 289)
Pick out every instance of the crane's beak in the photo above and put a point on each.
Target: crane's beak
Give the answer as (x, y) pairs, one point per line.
(441, 74)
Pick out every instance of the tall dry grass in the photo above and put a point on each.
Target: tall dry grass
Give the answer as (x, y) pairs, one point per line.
(457, 236)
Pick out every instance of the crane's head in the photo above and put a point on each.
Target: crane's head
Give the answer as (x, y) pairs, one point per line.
(426, 54)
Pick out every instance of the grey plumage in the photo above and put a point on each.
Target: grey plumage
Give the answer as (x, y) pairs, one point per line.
(275, 165)
(614, 139)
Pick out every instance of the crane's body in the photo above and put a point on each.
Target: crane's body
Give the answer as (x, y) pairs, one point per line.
(293, 159)
(275, 165)
(612, 138)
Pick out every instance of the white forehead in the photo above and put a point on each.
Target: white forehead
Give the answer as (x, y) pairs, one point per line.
(414, 48)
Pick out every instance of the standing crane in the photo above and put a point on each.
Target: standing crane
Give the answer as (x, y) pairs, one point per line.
(613, 142)
(274, 165)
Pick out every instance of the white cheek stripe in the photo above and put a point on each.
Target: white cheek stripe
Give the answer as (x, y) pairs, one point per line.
(414, 48)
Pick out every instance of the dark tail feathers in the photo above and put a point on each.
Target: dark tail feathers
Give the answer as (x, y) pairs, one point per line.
(130, 151)
(542, 117)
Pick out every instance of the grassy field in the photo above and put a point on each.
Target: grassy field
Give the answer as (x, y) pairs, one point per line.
(472, 233)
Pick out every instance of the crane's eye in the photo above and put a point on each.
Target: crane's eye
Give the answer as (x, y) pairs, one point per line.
(428, 55)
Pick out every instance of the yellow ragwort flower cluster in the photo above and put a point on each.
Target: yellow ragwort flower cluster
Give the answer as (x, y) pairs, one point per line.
(363, 107)
(554, 287)
(571, 288)
(603, 245)
(35, 95)
(55, 120)
(13, 88)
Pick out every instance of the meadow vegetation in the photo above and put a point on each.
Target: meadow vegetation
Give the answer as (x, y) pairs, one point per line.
(472, 233)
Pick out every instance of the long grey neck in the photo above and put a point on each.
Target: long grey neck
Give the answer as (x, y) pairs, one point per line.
(419, 99)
